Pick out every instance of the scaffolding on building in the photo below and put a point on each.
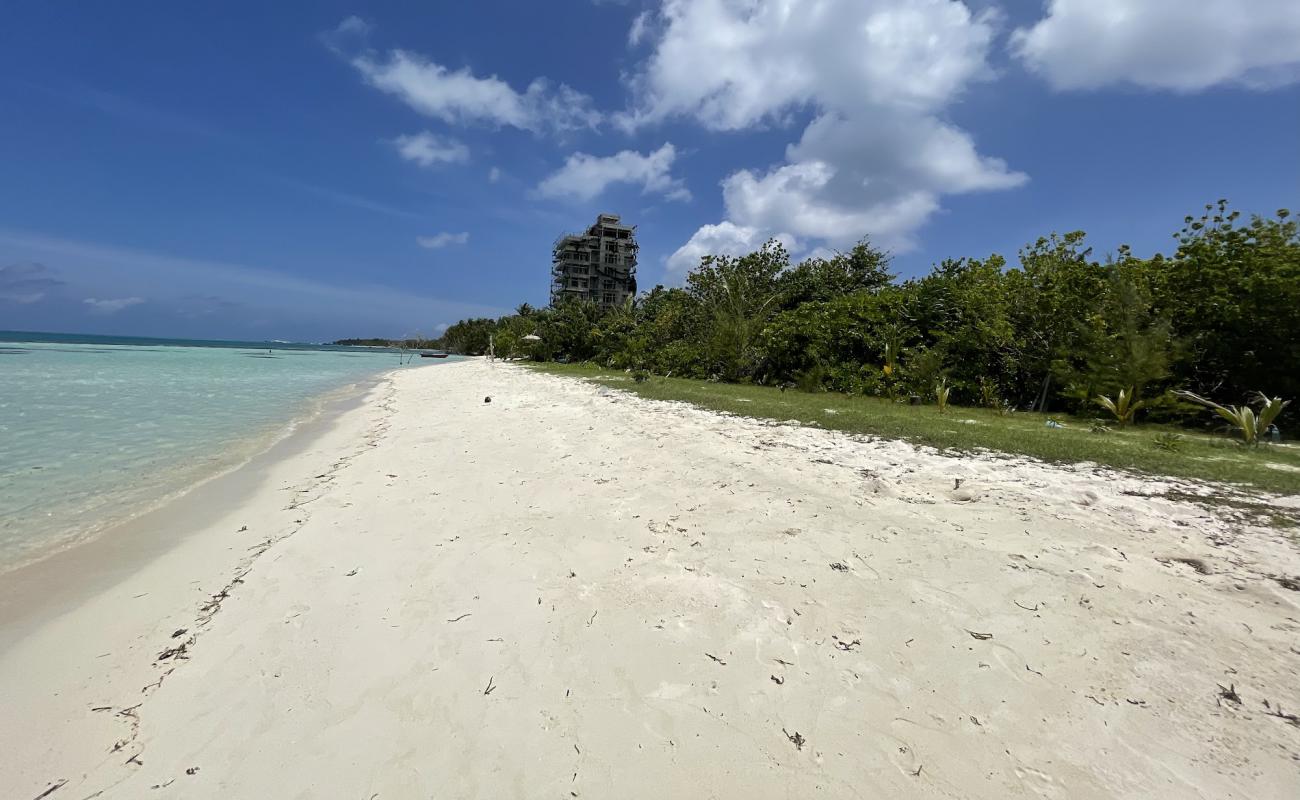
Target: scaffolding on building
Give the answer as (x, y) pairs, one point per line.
(598, 265)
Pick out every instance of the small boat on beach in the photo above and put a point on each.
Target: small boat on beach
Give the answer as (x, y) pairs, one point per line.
(433, 355)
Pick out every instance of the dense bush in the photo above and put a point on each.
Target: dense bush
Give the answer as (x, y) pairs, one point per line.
(1219, 317)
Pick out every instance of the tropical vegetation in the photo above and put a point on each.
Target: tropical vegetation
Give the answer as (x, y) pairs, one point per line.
(1061, 330)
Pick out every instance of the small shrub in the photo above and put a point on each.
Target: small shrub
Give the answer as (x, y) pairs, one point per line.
(640, 375)
(1169, 442)
(1098, 427)
(1125, 406)
(989, 394)
(1243, 417)
(941, 392)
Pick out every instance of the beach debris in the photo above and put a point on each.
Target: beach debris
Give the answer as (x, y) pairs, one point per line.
(462, 616)
(192, 771)
(980, 636)
(715, 658)
(487, 399)
(179, 632)
(1277, 712)
(572, 574)
(53, 787)
(956, 483)
(795, 738)
(241, 530)
(1195, 563)
(846, 646)
(1031, 669)
(593, 617)
(783, 662)
(1229, 694)
(491, 686)
(776, 680)
(353, 572)
(917, 774)
(179, 651)
(1025, 607)
(839, 566)
(1288, 582)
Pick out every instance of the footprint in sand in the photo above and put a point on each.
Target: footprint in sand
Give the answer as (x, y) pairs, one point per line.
(1011, 661)
(1038, 782)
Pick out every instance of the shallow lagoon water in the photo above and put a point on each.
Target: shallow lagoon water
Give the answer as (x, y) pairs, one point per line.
(95, 429)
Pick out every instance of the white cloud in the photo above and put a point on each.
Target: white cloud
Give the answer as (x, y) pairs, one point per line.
(1164, 44)
(442, 240)
(353, 25)
(847, 177)
(494, 175)
(586, 176)
(723, 239)
(460, 97)
(428, 149)
(640, 27)
(112, 306)
(733, 63)
(876, 76)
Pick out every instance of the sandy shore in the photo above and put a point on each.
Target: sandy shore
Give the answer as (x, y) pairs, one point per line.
(572, 592)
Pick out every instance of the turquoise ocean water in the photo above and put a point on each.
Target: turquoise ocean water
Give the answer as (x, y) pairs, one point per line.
(94, 429)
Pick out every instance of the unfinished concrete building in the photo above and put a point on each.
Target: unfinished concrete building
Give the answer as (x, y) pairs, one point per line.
(599, 265)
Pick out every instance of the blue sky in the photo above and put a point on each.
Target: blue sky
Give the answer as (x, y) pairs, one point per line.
(319, 170)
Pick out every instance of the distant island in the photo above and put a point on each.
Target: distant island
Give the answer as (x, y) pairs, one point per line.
(412, 344)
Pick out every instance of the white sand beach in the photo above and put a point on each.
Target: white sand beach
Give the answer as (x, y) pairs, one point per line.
(573, 592)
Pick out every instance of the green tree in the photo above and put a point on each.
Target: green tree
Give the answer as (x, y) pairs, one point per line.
(1232, 295)
(1056, 286)
(1124, 347)
(863, 268)
(963, 312)
(738, 296)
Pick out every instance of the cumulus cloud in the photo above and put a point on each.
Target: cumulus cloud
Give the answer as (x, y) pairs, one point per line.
(586, 176)
(428, 149)
(460, 97)
(723, 239)
(849, 176)
(443, 239)
(112, 306)
(494, 175)
(875, 76)
(26, 283)
(1163, 44)
(733, 63)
